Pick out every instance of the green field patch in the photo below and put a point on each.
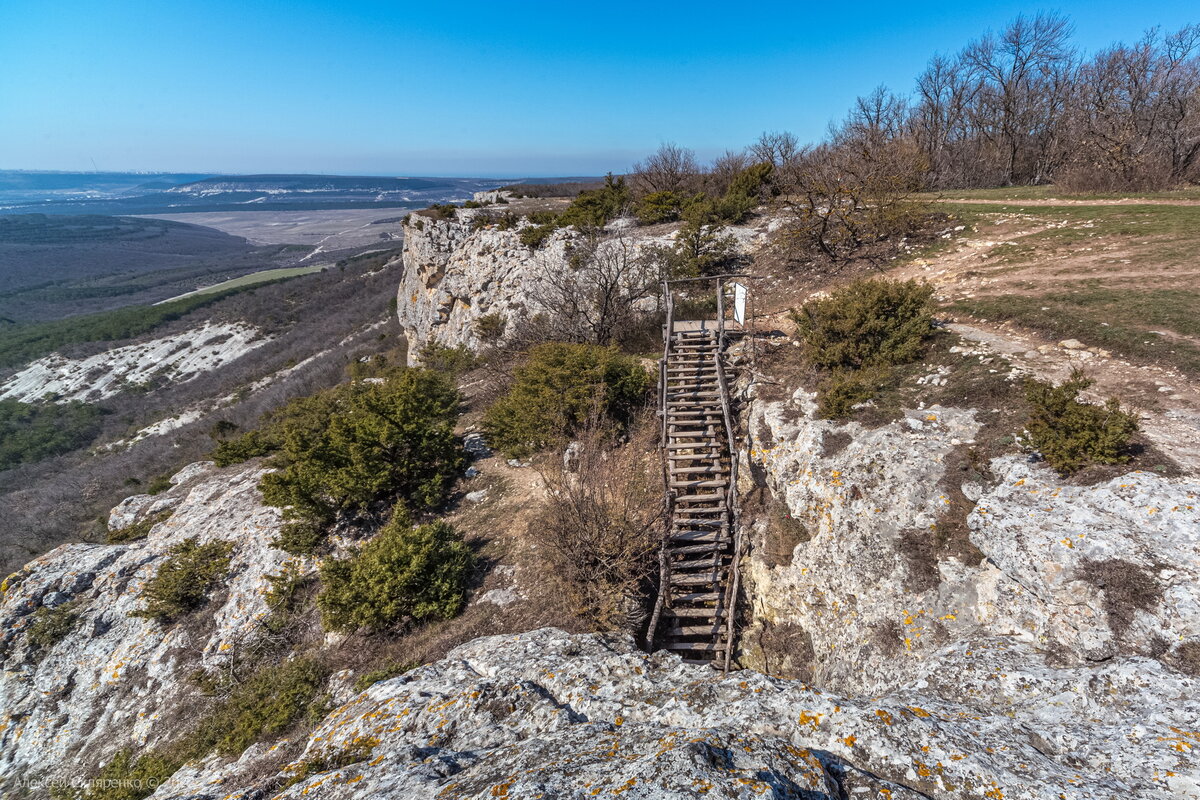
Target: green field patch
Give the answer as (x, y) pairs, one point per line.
(1133, 324)
(253, 279)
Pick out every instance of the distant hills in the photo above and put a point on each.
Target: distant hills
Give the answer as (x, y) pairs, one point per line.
(163, 193)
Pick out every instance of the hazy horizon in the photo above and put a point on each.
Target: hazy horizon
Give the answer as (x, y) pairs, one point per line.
(368, 88)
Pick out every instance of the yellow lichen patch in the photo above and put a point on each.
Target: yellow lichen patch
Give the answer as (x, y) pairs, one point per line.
(810, 719)
(618, 721)
(883, 715)
(994, 794)
(501, 789)
(625, 787)
(850, 740)
(920, 712)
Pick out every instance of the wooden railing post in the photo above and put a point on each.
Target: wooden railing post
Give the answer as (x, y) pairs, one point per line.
(669, 505)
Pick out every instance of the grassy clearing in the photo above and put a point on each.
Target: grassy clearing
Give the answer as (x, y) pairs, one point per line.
(1120, 320)
(1157, 237)
(253, 279)
(1055, 193)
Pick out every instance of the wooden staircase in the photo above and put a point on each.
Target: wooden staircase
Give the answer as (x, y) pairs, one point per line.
(694, 614)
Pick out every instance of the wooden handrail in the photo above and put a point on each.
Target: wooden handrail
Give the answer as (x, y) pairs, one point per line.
(663, 568)
(721, 277)
(732, 589)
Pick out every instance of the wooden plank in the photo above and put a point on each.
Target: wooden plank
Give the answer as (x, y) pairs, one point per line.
(694, 597)
(699, 563)
(695, 549)
(697, 579)
(692, 613)
(696, 630)
(711, 647)
(709, 497)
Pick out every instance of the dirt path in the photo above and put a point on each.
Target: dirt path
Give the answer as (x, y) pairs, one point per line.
(1167, 401)
(1057, 201)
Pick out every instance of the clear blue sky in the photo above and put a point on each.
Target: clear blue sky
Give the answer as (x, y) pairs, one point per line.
(427, 87)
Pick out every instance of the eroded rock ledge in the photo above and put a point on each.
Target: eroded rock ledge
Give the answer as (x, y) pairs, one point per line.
(548, 714)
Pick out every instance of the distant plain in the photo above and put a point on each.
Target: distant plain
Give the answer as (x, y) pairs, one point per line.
(329, 230)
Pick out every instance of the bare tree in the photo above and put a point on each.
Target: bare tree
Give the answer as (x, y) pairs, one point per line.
(1021, 70)
(601, 526)
(596, 297)
(778, 148)
(724, 169)
(671, 168)
(1137, 116)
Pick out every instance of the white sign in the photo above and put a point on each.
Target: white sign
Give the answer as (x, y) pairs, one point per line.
(739, 303)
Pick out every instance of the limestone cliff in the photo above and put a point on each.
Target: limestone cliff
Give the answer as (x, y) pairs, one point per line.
(457, 271)
(116, 680)
(454, 274)
(1048, 650)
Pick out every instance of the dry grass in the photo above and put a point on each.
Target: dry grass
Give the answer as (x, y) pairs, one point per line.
(1127, 588)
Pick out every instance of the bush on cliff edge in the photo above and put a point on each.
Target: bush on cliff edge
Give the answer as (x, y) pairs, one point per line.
(1069, 434)
(559, 390)
(404, 573)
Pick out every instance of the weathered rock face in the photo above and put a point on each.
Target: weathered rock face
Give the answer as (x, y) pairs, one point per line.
(454, 275)
(1085, 572)
(491, 196)
(547, 714)
(119, 681)
(181, 357)
(1077, 607)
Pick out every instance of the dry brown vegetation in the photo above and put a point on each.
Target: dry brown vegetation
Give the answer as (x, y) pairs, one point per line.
(601, 526)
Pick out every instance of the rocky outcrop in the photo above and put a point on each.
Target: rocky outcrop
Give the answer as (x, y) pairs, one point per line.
(115, 680)
(492, 196)
(179, 357)
(547, 714)
(1057, 606)
(1084, 572)
(456, 272)
(454, 275)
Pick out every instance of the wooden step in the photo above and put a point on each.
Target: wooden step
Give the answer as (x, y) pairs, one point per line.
(692, 613)
(694, 597)
(695, 549)
(697, 579)
(683, 539)
(711, 647)
(709, 497)
(697, 563)
(698, 484)
(698, 534)
(713, 630)
(711, 470)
